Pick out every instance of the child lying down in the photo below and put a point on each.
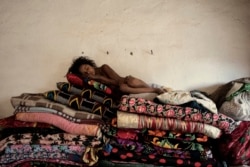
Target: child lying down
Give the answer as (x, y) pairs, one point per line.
(85, 67)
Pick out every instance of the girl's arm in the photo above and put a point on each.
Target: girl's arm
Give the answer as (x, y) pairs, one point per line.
(107, 76)
(103, 79)
(110, 73)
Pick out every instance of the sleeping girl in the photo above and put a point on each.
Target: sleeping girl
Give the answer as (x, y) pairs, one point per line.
(85, 67)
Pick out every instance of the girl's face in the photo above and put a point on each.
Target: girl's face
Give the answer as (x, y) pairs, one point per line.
(86, 70)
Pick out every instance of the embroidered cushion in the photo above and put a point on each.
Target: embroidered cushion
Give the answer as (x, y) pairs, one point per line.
(85, 82)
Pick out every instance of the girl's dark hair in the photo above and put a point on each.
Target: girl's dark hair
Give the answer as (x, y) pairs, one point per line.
(74, 68)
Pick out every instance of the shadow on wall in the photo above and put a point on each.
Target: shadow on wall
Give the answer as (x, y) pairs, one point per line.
(6, 108)
(210, 89)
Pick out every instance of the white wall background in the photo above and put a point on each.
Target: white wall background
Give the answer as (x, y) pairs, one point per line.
(196, 44)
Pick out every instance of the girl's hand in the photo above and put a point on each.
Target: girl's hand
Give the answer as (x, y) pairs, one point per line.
(91, 76)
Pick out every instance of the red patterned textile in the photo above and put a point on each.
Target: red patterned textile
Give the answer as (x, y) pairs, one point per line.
(235, 148)
(139, 121)
(11, 122)
(61, 123)
(114, 153)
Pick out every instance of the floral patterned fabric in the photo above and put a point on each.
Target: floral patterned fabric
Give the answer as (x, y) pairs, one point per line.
(141, 134)
(146, 107)
(49, 139)
(147, 147)
(36, 148)
(46, 144)
(175, 144)
(146, 141)
(6, 132)
(8, 159)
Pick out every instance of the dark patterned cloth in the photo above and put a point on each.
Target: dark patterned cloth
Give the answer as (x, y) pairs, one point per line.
(147, 148)
(79, 103)
(10, 160)
(175, 144)
(5, 132)
(47, 145)
(20, 152)
(49, 164)
(49, 139)
(87, 93)
(114, 153)
(141, 134)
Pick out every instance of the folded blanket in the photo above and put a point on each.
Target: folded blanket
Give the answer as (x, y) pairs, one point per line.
(64, 124)
(141, 134)
(137, 121)
(146, 107)
(27, 109)
(22, 160)
(47, 145)
(10, 160)
(146, 147)
(11, 122)
(87, 93)
(49, 139)
(31, 162)
(38, 100)
(79, 103)
(181, 97)
(117, 154)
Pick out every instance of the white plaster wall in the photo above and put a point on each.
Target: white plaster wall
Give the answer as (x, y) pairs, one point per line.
(196, 44)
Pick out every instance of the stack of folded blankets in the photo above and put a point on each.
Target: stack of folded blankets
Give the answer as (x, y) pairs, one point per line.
(85, 123)
(175, 129)
(58, 127)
